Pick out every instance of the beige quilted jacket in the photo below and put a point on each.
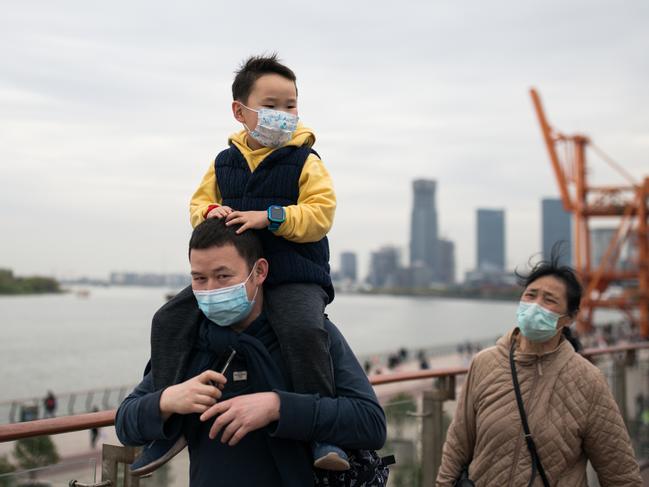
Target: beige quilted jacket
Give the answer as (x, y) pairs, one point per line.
(572, 415)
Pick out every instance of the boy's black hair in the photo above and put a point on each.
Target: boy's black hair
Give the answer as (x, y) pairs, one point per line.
(565, 274)
(213, 233)
(254, 68)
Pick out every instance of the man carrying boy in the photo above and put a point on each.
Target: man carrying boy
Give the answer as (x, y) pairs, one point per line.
(271, 181)
(262, 430)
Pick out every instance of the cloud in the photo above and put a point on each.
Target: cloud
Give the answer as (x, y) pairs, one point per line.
(112, 112)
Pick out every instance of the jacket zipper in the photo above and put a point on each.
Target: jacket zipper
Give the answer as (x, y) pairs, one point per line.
(520, 430)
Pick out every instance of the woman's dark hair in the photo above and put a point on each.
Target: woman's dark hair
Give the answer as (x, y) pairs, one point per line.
(566, 274)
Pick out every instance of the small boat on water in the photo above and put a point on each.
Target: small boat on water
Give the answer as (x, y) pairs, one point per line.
(82, 293)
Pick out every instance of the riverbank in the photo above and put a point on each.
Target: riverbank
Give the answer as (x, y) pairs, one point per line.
(456, 292)
(12, 285)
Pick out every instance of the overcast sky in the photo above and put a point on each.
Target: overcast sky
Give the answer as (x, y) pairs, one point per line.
(110, 113)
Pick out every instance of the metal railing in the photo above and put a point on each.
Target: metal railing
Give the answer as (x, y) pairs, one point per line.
(425, 417)
(68, 404)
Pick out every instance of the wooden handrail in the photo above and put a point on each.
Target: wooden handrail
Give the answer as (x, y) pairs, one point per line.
(592, 352)
(53, 426)
(380, 379)
(78, 422)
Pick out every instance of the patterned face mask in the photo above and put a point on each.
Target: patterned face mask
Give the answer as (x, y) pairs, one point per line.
(274, 127)
(537, 324)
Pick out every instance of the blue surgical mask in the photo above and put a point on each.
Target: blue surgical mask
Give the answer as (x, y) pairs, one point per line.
(274, 127)
(227, 305)
(536, 323)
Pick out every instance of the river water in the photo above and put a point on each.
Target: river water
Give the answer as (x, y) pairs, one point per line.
(68, 343)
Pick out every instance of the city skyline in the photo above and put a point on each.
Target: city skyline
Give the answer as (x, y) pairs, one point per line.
(490, 248)
(108, 122)
(556, 229)
(423, 224)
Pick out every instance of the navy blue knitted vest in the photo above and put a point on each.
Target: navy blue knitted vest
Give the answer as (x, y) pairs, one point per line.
(276, 181)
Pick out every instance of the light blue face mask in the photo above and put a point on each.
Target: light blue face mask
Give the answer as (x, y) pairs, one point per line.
(227, 305)
(536, 323)
(274, 127)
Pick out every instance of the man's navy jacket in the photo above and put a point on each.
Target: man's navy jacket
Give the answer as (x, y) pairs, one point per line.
(351, 420)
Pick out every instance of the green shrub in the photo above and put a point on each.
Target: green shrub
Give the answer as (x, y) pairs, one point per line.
(35, 452)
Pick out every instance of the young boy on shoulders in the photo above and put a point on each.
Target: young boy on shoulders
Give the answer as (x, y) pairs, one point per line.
(270, 180)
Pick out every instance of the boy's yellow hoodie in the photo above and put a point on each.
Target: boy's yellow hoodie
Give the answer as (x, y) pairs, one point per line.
(308, 221)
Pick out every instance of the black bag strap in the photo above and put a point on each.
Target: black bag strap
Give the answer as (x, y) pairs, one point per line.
(463, 480)
(536, 460)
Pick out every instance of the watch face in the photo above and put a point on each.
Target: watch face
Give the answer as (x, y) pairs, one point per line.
(277, 213)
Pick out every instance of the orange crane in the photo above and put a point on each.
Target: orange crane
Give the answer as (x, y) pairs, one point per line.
(626, 205)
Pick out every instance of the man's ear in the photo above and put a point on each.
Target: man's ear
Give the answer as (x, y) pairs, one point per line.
(261, 271)
(237, 110)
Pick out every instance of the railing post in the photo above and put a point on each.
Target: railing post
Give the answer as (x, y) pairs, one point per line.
(113, 455)
(433, 432)
(619, 386)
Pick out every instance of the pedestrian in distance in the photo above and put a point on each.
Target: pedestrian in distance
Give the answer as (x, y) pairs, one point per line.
(94, 432)
(49, 405)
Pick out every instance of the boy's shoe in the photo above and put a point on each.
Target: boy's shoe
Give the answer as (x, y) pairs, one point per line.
(156, 454)
(329, 457)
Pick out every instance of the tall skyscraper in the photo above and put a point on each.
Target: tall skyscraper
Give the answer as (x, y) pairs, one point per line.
(624, 253)
(423, 225)
(384, 267)
(446, 262)
(600, 239)
(557, 227)
(348, 266)
(491, 240)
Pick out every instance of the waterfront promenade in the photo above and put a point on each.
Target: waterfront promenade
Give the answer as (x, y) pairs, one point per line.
(78, 458)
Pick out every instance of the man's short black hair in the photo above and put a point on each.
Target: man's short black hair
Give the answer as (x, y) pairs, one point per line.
(253, 69)
(213, 233)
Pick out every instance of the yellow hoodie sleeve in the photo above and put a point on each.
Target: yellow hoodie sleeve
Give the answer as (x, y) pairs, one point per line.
(312, 218)
(207, 194)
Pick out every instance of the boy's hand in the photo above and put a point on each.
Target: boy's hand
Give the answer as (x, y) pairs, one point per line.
(247, 220)
(219, 212)
(195, 395)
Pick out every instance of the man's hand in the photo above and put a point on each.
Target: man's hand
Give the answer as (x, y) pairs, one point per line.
(242, 414)
(247, 220)
(195, 395)
(219, 212)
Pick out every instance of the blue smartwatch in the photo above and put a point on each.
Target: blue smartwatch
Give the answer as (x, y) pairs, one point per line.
(276, 216)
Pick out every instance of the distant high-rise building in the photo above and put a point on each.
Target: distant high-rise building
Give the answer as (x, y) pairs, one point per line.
(624, 252)
(556, 228)
(348, 266)
(446, 262)
(491, 240)
(384, 267)
(600, 238)
(423, 225)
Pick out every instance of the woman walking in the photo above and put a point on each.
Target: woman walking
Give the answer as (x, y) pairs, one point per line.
(532, 411)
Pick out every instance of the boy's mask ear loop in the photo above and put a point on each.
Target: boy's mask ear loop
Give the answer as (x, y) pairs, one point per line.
(241, 107)
(240, 112)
